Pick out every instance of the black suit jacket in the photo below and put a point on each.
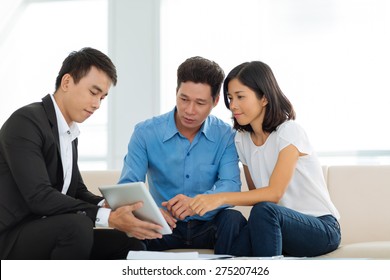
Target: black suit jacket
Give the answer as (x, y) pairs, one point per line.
(31, 174)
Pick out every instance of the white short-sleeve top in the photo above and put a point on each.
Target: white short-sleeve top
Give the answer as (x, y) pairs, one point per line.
(307, 191)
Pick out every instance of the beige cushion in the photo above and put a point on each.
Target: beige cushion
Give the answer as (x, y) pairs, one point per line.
(362, 196)
(95, 179)
(365, 250)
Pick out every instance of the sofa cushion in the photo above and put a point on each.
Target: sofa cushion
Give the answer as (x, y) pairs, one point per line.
(96, 178)
(362, 196)
(365, 250)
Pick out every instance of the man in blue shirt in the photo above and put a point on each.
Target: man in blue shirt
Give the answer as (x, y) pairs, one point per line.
(187, 152)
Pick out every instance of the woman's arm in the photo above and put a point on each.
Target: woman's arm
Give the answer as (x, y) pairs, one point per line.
(279, 180)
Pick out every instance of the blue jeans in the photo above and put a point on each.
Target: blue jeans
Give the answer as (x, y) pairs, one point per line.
(274, 230)
(218, 234)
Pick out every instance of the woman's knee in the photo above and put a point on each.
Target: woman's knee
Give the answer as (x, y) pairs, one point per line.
(232, 216)
(263, 208)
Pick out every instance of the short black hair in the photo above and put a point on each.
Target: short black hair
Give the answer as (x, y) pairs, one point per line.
(201, 70)
(79, 63)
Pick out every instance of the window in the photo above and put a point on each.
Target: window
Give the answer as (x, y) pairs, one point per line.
(39, 36)
(330, 58)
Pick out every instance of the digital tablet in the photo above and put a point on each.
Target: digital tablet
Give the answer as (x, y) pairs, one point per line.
(129, 193)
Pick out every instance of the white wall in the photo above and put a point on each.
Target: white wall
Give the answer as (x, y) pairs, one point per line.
(134, 48)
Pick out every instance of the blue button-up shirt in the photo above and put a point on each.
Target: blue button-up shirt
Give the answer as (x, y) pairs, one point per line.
(174, 165)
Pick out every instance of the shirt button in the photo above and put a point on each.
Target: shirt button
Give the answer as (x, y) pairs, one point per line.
(188, 154)
(187, 176)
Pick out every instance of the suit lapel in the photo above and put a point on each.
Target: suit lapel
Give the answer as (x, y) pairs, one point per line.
(74, 180)
(51, 116)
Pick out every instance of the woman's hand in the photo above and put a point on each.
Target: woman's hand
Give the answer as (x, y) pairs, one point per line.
(203, 203)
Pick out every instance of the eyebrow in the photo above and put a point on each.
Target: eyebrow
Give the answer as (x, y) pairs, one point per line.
(97, 88)
(238, 91)
(196, 99)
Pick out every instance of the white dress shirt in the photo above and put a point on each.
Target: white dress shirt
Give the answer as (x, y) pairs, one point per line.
(67, 136)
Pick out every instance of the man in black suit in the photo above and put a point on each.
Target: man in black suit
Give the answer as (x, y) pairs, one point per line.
(46, 211)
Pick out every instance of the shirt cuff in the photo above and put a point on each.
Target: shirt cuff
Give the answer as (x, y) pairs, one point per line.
(102, 217)
(101, 202)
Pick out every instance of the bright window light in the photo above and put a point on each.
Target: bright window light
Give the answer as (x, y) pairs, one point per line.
(331, 58)
(31, 54)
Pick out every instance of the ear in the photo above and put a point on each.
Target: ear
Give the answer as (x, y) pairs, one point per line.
(264, 101)
(216, 101)
(65, 81)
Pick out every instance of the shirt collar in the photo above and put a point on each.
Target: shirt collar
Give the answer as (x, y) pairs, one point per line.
(172, 129)
(63, 127)
(207, 130)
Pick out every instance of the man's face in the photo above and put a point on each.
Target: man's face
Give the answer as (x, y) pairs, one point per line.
(81, 100)
(194, 103)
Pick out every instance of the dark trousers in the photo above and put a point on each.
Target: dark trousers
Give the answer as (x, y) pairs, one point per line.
(70, 237)
(219, 234)
(274, 230)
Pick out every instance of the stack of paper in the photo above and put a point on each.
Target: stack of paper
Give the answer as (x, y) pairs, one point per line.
(151, 255)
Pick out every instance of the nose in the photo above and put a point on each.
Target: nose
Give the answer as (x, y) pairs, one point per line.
(96, 103)
(232, 105)
(190, 109)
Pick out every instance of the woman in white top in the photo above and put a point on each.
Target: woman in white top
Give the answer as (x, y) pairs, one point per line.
(292, 212)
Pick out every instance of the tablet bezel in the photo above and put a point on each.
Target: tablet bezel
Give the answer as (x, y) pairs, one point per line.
(128, 193)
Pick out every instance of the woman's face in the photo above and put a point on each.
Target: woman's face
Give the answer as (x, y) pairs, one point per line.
(245, 105)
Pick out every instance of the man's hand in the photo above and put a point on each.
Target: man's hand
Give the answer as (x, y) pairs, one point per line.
(170, 220)
(179, 206)
(124, 220)
(105, 204)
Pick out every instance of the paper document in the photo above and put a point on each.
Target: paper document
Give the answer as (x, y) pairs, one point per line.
(214, 257)
(151, 255)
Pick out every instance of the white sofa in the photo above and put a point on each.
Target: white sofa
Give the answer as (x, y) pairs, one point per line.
(360, 193)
